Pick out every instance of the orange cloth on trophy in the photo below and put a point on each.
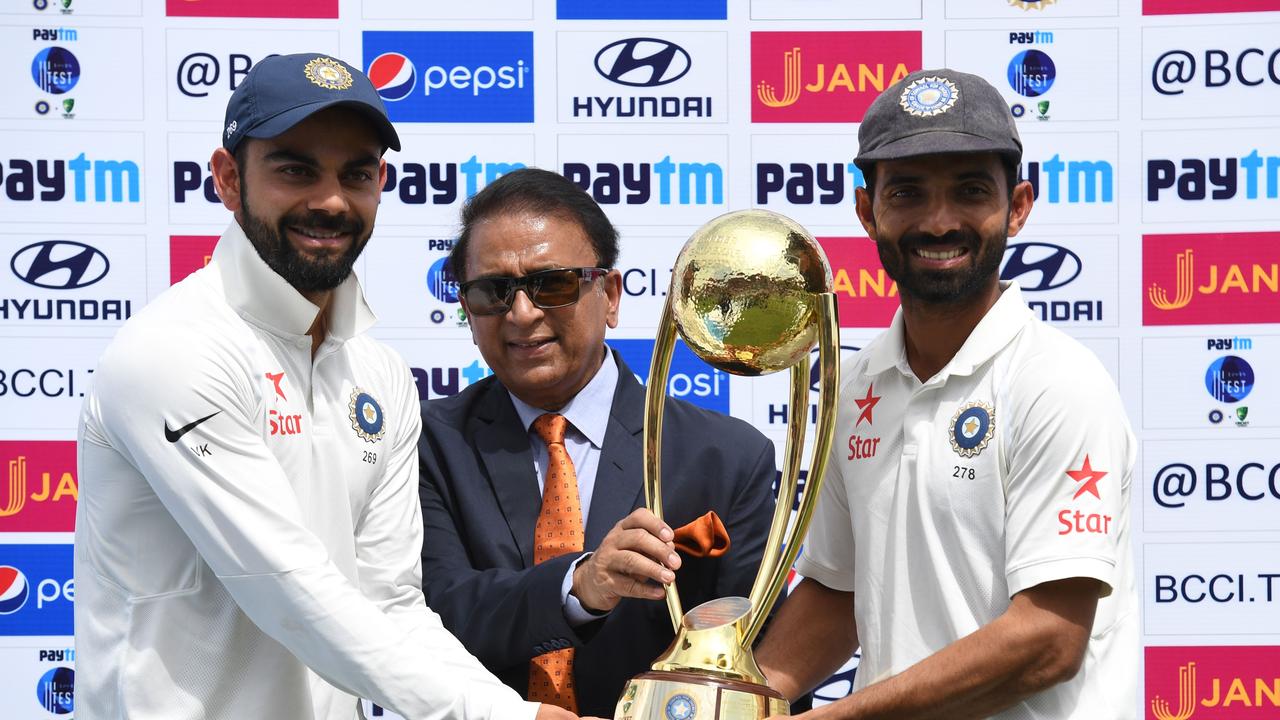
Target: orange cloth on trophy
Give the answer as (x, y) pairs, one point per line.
(704, 537)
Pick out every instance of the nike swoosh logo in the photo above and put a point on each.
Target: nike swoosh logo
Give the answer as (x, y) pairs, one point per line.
(174, 436)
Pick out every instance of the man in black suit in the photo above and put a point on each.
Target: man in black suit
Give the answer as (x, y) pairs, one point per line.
(504, 562)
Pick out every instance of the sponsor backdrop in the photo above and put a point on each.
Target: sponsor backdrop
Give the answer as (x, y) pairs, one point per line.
(1151, 141)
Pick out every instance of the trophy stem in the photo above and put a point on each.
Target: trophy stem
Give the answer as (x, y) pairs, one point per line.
(829, 363)
(655, 398)
(790, 479)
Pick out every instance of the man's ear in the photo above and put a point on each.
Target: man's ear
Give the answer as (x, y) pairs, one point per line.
(863, 206)
(226, 178)
(1020, 207)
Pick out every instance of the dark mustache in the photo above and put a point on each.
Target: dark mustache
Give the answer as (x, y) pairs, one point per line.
(965, 237)
(325, 223)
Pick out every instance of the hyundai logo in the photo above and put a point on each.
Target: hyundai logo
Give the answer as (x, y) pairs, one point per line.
(643, 62)
(59, 265)
(1056, 265)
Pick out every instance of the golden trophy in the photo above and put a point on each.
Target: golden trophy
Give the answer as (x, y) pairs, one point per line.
(750, 294)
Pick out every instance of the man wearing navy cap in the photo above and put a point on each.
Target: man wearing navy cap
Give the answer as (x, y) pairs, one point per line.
(972, 535)
(248, 531)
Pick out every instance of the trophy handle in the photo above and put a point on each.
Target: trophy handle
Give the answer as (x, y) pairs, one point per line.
(655, 399)
(773, 575)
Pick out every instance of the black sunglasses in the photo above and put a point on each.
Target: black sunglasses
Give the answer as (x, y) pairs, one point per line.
(546, 289)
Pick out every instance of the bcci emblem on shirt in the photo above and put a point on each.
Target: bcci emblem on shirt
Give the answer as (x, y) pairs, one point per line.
(366, 416)
(972, 427)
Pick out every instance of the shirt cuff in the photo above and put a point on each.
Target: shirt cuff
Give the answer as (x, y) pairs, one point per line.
(1097, 568)
(574, 612)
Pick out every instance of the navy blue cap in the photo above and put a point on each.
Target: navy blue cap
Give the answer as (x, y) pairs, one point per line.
(932, 112)
(283, 90)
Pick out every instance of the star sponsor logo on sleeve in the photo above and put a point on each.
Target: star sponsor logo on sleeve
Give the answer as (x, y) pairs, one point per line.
(366, 416)
(1088, 477)
(972, 427)
(1076, 521)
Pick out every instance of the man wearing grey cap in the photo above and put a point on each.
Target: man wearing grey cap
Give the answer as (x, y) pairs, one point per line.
(972, 535)
(248, 532)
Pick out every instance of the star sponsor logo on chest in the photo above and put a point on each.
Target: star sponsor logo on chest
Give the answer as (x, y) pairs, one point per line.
(281, 422)
(1074, 520)
(860, 447)
(366, 416)
(972, 427)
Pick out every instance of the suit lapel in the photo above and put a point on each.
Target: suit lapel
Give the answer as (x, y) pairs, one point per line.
(504, 449)
(619, 484)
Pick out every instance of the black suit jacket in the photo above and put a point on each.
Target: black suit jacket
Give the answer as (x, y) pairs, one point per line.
(480, 502)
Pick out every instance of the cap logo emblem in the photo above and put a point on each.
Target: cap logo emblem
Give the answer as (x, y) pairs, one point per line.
(231, 129)
(328, 74)
(929, 96)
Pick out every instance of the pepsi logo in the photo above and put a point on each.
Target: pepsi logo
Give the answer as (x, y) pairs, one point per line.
(14, 590)
(393, 76)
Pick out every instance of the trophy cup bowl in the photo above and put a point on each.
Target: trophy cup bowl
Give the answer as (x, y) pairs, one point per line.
(751, 295)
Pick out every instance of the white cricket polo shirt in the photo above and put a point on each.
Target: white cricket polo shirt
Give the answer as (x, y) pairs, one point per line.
(248, 533)
(1011, 467)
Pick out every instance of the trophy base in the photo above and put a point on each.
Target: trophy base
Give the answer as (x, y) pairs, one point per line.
(691, 696)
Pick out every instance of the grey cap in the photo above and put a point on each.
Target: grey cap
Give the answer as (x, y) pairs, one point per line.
(931, 112)
(281, 91)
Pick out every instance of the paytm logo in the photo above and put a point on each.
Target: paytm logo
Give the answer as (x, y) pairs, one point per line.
(642, 183)
(452, 76)
(37, 590)
(690, 378)
(1058, 181)
(438, 382)
(1252, 177)
(443, 183)
(808, 183)
(642, 10)
(81, 179)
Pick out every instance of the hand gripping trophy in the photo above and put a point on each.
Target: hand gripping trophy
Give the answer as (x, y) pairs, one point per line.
(750, 294)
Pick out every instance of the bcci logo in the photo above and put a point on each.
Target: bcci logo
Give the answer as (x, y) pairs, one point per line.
(972, 427)
(328, 74)
(929, 96)
(366, 416)
(681, 707)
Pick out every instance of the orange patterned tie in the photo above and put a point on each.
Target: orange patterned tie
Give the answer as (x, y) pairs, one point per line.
(559, 531)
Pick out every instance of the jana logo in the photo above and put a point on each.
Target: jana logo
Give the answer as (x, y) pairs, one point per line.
(441, 283)
(643, 62)
(1049, 266)
(393, 76)
(1031, 73)
(55, 70)
(1229, 379)
(59, 265)
(56, 691)
(14, 590)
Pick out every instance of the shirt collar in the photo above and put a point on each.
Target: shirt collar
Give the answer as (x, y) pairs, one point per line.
(1002, 322)
(589, 410)
(259, 294)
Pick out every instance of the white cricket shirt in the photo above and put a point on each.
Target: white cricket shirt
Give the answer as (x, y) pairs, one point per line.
(249, 529)
(1010, 468)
